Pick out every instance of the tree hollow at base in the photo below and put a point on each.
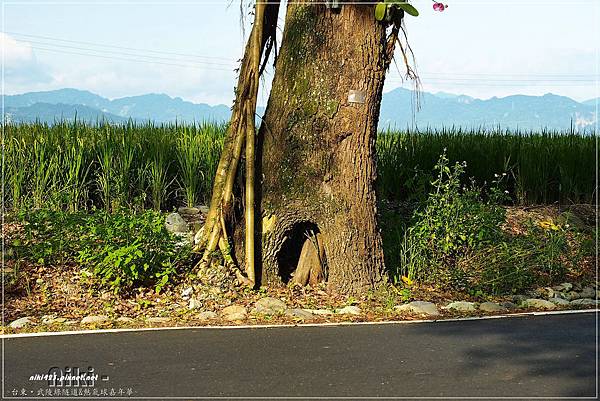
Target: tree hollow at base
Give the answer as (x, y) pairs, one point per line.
(301, 259)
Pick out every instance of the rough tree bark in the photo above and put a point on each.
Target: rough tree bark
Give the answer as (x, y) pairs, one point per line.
(315, 154)
(318, 149)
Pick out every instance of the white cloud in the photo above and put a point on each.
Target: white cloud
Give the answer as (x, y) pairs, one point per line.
(15, 53)
(114, 79)
(21, 67)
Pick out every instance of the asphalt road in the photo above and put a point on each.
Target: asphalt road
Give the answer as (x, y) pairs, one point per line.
(534, 356)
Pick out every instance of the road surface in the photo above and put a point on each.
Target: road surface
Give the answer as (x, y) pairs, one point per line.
(532, 356)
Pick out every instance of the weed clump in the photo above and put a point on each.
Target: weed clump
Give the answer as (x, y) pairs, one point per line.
(456, 238)
(117, 251)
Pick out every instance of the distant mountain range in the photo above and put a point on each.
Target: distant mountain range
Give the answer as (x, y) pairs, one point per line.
(62, 104)
(398, 110)
(514, 112)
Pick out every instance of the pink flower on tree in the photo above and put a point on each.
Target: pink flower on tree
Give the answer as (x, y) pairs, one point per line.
(439, 6)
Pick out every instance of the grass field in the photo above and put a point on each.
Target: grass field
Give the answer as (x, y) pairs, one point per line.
(74, 166)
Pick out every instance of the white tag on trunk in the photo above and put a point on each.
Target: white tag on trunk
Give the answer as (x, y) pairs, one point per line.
(355, 96)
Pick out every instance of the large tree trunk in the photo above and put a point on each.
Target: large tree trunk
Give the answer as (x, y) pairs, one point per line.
(318, 147)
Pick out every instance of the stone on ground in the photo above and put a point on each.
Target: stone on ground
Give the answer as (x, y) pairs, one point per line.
(322, 312)
(584, 301)
(566, 286)
(22, 322)
(187, 292)
(207, 315)
(299, 314)
(47, 319)
(52, 319)
(588, 292)
(188, 210)
(95, 319)
(550, 293)
(491, 307)
(545, 292)
(159, 320)
(349, 310)
(175, 223)
(234, 312)
(461, 306)
(269, 306)
(195, 304)
(571, 295)
(125, 319)
(509, 305)
(419, 307)
(539, 303)
(517, 299)
(558, 301)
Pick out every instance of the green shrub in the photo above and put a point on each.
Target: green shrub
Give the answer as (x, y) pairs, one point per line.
(455, 239)
(452, 222)
(121, 250)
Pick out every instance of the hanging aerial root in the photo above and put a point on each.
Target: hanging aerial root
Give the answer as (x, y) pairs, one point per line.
(391, 45)
(410, 72)
(213, 228)
(250, 172)
(241, 131)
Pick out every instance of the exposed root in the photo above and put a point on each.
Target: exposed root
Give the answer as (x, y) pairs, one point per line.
(311, 267)
(241, 131)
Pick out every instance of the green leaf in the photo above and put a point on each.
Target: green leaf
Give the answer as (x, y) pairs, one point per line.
(408, 8)
(380, 10)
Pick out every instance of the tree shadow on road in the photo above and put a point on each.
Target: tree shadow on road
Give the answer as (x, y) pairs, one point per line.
(561, 350)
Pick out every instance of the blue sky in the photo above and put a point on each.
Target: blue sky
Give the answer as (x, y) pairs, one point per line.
(189, 48)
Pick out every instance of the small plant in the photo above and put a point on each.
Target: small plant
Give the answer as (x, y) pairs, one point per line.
(412, 258)
(10, 278)
(553, 241)
(129, 250)
(393, 11)
(405, 294)
(453, 221)
(455, 238)
(49, 236)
